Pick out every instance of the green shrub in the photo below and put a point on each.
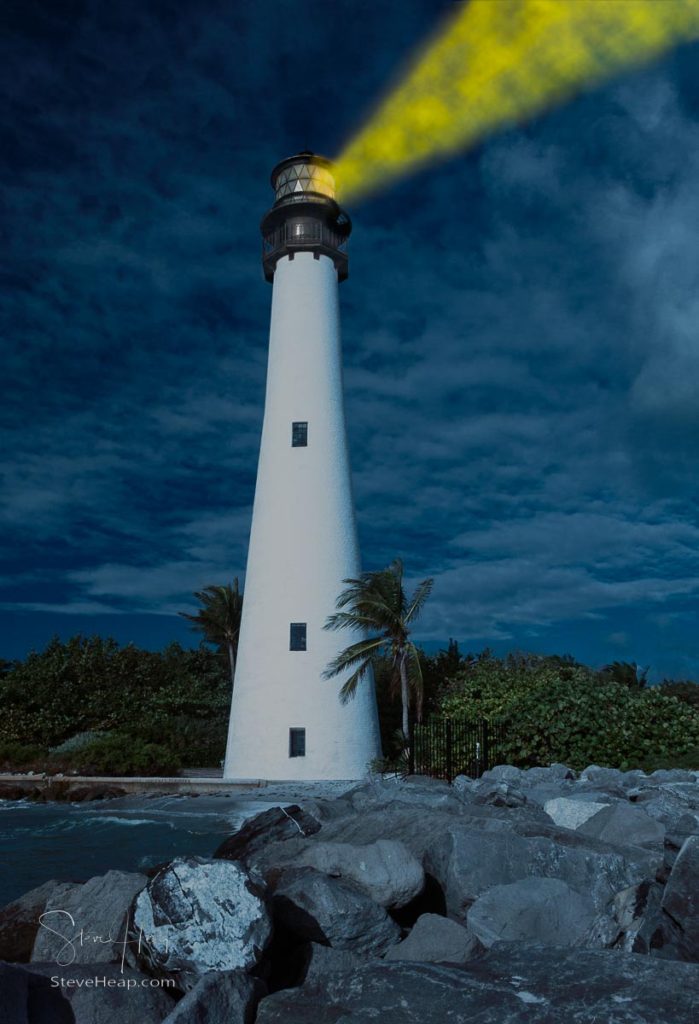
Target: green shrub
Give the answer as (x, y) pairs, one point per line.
(555, 710)
(15, 756)
(119, 754)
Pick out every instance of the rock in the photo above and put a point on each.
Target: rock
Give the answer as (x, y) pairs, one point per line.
(504, 773)
(681, 901)
(500, 794)
(636, 914)
(19, 920)
(333, 912)
(554, 773)
(386, 870)
(103, 993)
(567, 813)
(625, 825)
(278, 824)
(533, 985)
(468, 861)
(221, 997)
(79, 793)
(324, 960)
(31, 999)
(668, 804)
(16, 791)
(436, 939)
(88, 924)
(532, 910)
(415, 790)
(465, 787)
(200, 915)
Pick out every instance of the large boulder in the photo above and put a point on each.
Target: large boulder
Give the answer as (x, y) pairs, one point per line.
(542, 910)
(324, 960)
(200, 915)
(569, 813)
(467, 861)
(532, 985)
(386, 870)
(681, 901)
(624, 824)
(88, 924)
(416, 790)
(19, 920)
(436, 939)
(103, 994)
(333, 912)
(277, 825)
(31, 999)
(221, 997)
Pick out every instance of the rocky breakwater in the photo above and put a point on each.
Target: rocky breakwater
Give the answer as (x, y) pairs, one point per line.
(537, 896)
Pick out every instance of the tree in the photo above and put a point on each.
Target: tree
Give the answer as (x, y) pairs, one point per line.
(377, 603)
(625, 673)
(219, 619)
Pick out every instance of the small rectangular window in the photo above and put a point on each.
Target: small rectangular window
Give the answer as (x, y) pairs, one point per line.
(299, 434)
(297, 742)
(297, 636)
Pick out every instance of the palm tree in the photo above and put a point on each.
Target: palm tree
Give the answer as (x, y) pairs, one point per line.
(626, 673)
(219, 619)
(376, 602)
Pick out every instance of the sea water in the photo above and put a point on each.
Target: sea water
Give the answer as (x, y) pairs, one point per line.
(74, 842)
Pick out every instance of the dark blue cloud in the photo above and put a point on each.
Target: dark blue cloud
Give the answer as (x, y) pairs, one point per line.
(519, 324)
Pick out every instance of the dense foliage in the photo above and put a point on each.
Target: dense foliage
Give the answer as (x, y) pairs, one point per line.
(165, 707)
(555, 709)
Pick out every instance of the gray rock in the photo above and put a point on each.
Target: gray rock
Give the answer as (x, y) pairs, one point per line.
(465, 787)
(200, 915)
(533, 985)
(324, 960)
(554, 773)
(19, 920)
(435, 939)
(636, 912)
(416, 791)
(386, 870)
(31, 998)
(568, 813)
(504, 773)
(106, 993)
(88, 924)
(278, 824)
(532, 910)
(500, 794)
(668, 804)
(221, 997)
(468, 861)
(681, 901)
(333, 912)
(624, 824)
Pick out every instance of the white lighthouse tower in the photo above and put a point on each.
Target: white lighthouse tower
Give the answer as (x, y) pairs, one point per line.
(287, 721)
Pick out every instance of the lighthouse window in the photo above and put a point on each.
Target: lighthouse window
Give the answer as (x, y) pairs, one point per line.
(299, 434)
(297, 742)
(297, 636)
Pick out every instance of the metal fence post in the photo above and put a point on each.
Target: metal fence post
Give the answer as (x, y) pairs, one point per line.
(449, 751)
(486, 747)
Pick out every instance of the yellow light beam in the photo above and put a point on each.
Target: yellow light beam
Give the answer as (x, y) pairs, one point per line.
(498, 62)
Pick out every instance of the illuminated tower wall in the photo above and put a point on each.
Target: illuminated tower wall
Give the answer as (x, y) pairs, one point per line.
(286, 721)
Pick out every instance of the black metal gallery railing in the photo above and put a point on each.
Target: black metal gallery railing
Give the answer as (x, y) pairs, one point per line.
(447, 747)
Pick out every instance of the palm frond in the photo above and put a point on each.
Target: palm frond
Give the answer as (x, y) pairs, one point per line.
(422, 592)
(357, 652)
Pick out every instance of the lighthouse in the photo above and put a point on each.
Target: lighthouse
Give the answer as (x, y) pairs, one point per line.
(287, 721)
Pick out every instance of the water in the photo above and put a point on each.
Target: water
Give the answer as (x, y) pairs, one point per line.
(74, 842)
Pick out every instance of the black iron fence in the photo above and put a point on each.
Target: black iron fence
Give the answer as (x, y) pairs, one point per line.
(447, 747)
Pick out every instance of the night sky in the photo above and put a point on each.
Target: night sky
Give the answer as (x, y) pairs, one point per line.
(520, 324)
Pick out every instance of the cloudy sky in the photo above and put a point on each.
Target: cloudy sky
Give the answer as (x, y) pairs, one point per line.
(520, 330)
